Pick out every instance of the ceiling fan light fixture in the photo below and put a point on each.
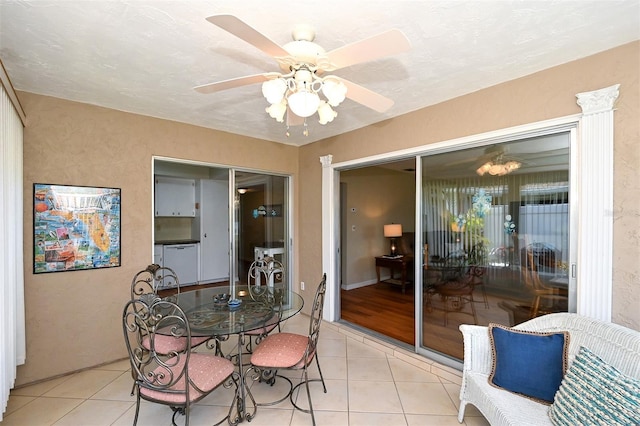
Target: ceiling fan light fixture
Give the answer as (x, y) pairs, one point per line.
(326, 113)
(295, 90)
(303, 103)
(512, 165)
(274, 90)
(484, 168)
(277, 110)
(334, 90)
(498, 168)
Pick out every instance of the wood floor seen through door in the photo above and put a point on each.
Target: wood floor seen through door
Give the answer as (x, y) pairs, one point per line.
(382, 308)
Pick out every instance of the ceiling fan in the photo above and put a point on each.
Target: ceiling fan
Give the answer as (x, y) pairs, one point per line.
(498, 160)
(295, 89)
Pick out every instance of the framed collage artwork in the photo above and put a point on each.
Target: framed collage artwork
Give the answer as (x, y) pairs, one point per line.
(75, 228)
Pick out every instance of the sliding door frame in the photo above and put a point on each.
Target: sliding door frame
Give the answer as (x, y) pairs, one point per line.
(231, 243)
(331, 205)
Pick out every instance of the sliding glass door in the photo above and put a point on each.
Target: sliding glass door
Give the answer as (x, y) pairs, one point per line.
(495, 235)
(239, 216)
(261, 222)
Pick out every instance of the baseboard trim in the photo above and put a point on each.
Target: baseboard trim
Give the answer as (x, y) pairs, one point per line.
(353, 286)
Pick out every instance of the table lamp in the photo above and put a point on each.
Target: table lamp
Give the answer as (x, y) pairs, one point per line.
(393, 231)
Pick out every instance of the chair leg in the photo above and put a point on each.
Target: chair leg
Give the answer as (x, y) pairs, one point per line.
(180, 410)
(306, 382)
(135, 417)
(324, 387)
(473, 311)
(133, 388)
(535, 306)
(484, 296)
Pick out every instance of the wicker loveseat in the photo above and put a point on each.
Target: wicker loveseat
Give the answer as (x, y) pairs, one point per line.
(616, 345)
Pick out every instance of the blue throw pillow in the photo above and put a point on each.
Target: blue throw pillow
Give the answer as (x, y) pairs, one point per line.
(529, 363)
(596, 393)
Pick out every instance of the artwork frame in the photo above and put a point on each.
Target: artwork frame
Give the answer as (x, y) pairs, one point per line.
(75, 228)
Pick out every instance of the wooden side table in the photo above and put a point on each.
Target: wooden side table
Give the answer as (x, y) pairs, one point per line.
(393, 264)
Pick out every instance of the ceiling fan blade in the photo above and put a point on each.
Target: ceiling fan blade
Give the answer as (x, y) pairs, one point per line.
(232, 83)
(247, 33)
(366, 97)
(384, 44)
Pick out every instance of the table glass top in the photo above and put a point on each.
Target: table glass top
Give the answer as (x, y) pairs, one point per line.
(210, 314)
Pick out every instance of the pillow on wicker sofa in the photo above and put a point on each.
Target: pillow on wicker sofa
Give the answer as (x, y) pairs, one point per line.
(528, 363)
(594, 392)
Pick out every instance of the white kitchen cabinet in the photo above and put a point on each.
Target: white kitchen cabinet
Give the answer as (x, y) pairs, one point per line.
(175, 197)
(211, 228)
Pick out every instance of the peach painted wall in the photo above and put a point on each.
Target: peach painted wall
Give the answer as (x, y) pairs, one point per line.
(73, 318)
(541, 96)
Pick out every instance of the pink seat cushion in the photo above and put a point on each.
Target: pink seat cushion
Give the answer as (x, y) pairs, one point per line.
(205, 371)
(282, 350)
(166, 344)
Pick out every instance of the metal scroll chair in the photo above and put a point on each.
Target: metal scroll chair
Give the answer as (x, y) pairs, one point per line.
(540, 290)
(289, 351)
(145, 286)
(261, 278)
(152, 279)
(180, 377)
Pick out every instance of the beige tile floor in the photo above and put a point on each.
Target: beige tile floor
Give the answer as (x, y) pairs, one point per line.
(369, 382)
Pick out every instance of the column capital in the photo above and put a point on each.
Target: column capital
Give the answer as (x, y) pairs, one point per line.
(326, 160)
(598, 100)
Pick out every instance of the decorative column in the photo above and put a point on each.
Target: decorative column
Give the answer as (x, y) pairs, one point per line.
(330, 257)
(595, 205)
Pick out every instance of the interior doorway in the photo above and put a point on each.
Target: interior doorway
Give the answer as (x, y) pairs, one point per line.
(232, 217)
(372, 197)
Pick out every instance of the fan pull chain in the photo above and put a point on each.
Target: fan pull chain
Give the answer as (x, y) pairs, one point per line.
(304, 132)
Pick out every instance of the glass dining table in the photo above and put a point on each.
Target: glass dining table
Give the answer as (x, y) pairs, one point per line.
(223, 311)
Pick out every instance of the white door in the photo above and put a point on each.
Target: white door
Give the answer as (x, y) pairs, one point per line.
(214, 230)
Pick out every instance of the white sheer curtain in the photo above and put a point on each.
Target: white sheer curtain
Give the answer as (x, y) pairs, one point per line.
(12, 327)
(503, 214)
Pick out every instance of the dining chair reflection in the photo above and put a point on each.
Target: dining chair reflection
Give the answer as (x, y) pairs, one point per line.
(539, 290)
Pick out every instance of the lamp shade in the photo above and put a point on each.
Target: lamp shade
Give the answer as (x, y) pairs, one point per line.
(304, 103)
(273, 90)
(334, 90)
(325, 113)
(393, 230)
(277, 111)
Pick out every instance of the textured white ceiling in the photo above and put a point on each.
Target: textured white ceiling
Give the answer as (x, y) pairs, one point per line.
(146, 56)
